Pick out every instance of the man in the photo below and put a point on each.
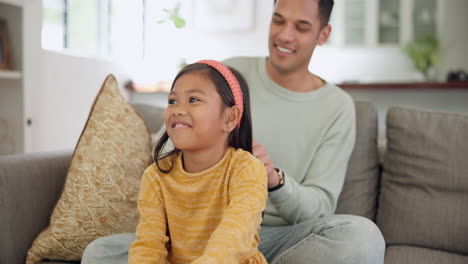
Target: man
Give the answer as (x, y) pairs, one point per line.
(305, 128)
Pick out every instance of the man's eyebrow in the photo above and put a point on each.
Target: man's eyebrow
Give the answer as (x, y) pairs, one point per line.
(305, 22)
(302, 21)
(277, 14)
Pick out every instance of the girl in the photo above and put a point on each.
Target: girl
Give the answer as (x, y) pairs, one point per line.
(202, 202)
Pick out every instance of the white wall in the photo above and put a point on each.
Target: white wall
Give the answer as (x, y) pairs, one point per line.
(168, 45)
(454, 35)
(388, 64)
(59, 88)
(70, 85)
(336, 64)
(373, 64)
(454, 55)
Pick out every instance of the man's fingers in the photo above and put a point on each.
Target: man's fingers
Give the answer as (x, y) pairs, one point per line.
(263, 156)
(258, 151)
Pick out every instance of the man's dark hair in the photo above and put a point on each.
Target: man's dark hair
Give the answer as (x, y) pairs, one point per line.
(325, 9)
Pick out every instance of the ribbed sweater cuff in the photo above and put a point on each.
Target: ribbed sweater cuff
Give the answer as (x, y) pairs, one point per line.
(284, 193)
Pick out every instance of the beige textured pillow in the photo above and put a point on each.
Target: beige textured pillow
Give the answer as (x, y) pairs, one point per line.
(100, 192)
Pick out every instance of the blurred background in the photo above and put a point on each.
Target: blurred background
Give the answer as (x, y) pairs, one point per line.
(56, 53)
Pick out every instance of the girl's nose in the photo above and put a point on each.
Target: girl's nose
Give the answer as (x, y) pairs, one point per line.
(179, 110)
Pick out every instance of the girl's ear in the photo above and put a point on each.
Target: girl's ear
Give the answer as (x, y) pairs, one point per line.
(232, 116)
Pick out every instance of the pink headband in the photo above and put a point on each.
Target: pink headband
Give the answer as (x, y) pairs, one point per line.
(231, 80)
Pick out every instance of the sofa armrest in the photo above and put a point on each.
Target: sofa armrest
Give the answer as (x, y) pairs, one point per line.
(30, 185)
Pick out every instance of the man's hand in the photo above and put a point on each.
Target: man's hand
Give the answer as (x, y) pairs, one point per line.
(260, 153)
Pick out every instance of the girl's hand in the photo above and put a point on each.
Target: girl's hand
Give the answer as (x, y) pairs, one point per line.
(260, 153)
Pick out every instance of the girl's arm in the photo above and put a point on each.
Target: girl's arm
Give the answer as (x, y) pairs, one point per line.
(151, 238)
(236, 237)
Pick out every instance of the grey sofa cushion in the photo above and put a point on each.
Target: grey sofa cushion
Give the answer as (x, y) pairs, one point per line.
(416, 255)
(152, 115)
(30, 185)
(424, 191)
(359, 194)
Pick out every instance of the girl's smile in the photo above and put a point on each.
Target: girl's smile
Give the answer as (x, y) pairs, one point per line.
(180, 125)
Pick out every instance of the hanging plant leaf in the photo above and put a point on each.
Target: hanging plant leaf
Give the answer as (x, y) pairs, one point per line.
(179, 22)
(173, 15)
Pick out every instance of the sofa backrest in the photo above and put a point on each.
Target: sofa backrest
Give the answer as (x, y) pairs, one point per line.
(152, 115)
(359, 193)
(424, 190)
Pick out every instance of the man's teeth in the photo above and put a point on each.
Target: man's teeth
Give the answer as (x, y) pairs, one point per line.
(180, 125)
(284, 50)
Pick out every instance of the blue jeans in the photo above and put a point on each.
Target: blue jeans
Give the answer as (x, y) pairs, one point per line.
(337, 239)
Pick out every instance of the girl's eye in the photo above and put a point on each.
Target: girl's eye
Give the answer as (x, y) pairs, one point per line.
(171, 101)
(193, 100)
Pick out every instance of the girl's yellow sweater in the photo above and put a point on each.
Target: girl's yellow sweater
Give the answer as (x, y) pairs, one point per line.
(208, 217)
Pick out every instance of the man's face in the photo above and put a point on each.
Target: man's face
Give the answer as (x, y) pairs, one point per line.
(295, 30)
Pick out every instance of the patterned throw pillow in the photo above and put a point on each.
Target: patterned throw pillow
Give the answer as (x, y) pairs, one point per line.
(100, 192)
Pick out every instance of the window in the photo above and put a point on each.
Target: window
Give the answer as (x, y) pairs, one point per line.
(389, 21)
(104, 28)
(53, 24)
(424, 18)
(355, 26)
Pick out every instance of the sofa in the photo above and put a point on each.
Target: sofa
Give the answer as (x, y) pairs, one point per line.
(415, 188)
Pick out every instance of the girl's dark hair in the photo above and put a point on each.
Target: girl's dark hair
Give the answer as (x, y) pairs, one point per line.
(239, 137)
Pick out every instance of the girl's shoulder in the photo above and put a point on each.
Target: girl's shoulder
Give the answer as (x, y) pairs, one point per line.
(165, 163)
(246, 164)
(242, 155)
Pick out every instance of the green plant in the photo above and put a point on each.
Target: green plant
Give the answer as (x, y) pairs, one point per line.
(424, 53)
(172, 14)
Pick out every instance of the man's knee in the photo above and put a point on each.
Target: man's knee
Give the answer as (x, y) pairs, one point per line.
(93, 250)
(365, 243)
(338, 239)
(109, 247)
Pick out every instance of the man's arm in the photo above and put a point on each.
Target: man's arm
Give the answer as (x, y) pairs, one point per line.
(316, 196)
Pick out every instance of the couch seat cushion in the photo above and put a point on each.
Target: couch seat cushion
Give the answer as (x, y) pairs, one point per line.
(417, 255)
